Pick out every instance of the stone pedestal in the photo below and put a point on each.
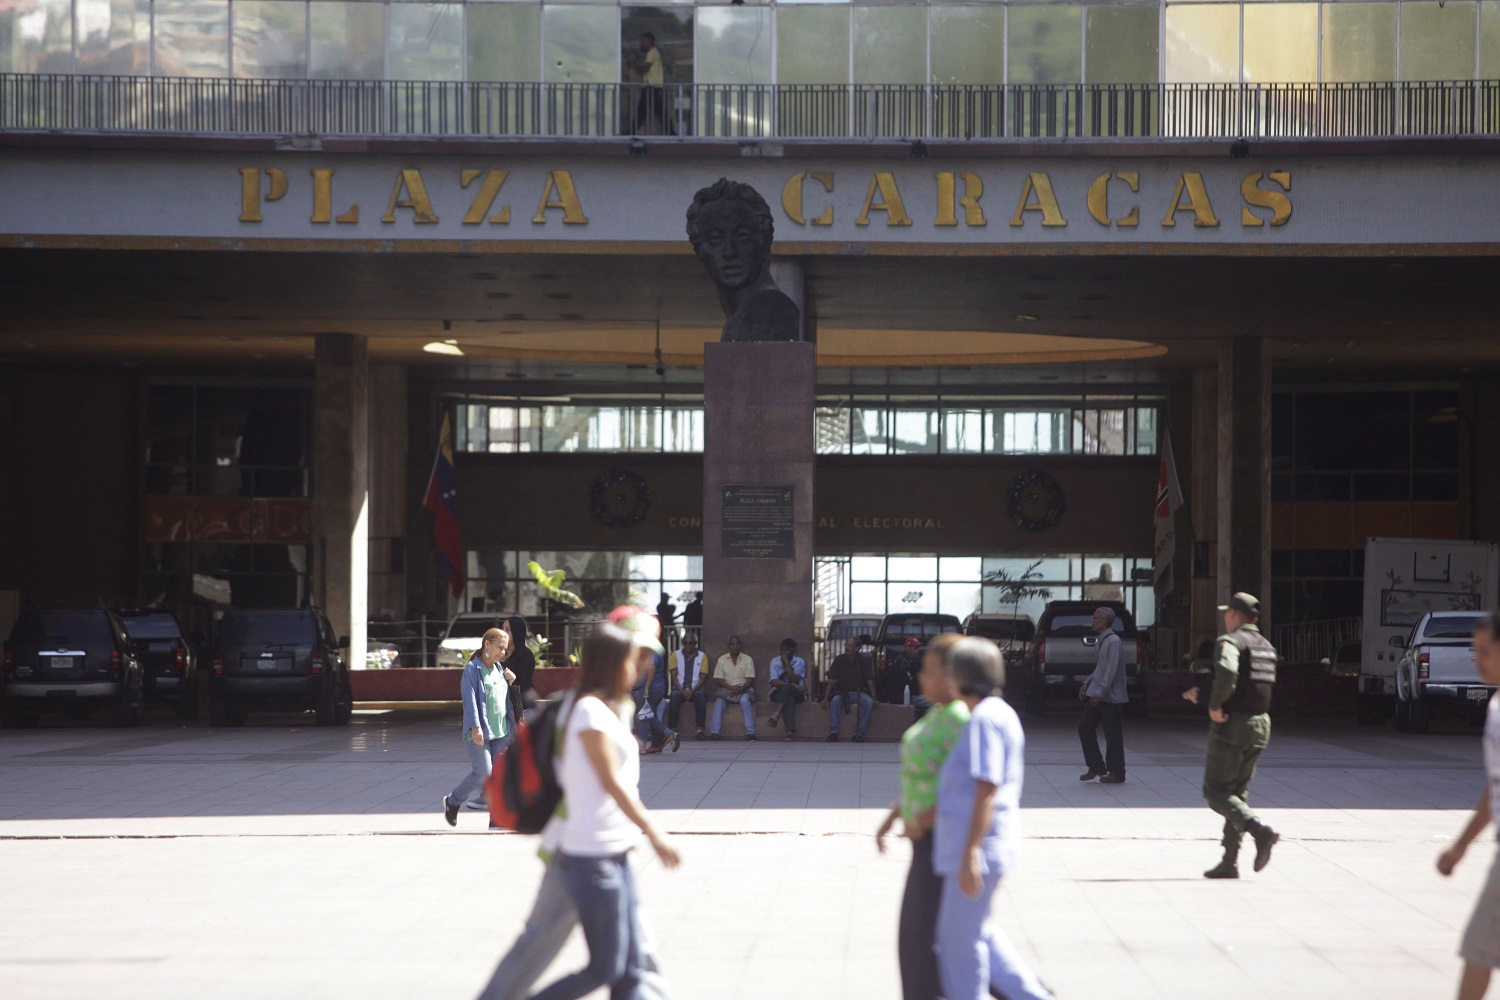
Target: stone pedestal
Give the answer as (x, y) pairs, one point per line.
(758, 415)
(1244, 466)
(341, 485)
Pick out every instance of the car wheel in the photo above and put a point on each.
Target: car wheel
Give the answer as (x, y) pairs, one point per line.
(326, 708)
(187, 700)
(223, 712)
(127, 709)
(1036, 699)
(1418, 715)
(1364, 715)
(19, 717)
(1403, 714)
(345, 710)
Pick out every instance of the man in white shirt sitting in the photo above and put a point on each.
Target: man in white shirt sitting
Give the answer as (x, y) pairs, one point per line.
(687, 677)
(735, 673)
(788, 686)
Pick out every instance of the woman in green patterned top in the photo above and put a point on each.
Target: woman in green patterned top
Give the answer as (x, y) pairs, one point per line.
(924, 748)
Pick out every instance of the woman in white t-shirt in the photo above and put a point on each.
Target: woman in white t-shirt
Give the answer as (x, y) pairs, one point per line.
(600, 772)
(1481, 943)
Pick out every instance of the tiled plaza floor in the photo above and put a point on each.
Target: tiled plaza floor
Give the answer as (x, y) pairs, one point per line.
(282, 860)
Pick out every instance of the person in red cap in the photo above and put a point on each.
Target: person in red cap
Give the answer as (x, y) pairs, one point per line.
(896, 675)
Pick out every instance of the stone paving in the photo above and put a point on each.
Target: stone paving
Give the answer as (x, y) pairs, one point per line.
(281, 860)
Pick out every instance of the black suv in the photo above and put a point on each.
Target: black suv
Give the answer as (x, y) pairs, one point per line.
(890, 638)
(170, 665)
(279, 660)
(1065, 651)
(71, 659)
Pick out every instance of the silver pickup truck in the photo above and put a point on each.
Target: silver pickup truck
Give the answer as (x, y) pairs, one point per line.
(1437, 671)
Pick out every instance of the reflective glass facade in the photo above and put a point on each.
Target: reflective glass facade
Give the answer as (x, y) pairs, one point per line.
(942, 42)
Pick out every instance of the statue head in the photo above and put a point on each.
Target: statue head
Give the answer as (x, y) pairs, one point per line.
(730, 227)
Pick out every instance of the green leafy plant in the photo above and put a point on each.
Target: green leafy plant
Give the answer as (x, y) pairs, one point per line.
(1017, 587)
(550, 583)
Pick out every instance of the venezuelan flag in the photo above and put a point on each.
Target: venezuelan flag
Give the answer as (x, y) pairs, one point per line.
(442, 500)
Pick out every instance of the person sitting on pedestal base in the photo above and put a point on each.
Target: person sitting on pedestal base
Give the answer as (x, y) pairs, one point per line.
(788, 686)
(735, 673)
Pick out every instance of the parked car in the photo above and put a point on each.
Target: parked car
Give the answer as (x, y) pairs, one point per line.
(1065, 651)
(1012, 633)
(1437, 671)
(461, 638)
(894, 630)
(71, 660)
(1346, 660)
(169, 663)
(285, 660)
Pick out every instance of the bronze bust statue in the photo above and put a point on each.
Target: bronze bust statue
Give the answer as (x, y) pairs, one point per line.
(730, 227)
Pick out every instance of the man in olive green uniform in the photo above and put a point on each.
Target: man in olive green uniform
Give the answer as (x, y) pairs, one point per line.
(1239, 705)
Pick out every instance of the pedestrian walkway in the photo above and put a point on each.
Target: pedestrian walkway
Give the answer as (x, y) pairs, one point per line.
(282, 860)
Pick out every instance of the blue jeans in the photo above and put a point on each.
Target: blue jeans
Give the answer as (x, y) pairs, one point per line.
(552, 920)
(481, 761)
(652, 728)
(972, 953)
(747, 709)
(604, 897)
(836, 710)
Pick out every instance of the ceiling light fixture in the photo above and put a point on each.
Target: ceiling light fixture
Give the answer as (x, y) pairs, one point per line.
(446, 347)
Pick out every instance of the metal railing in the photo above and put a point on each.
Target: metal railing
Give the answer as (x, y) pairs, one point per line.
(1307, 643)
(748, 111)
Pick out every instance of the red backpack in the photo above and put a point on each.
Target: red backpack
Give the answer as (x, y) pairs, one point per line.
(523, 789)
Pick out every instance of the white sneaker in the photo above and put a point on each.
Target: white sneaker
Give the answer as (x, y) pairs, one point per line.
(477, 805)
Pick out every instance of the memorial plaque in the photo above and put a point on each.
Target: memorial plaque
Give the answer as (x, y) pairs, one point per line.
(758, 522)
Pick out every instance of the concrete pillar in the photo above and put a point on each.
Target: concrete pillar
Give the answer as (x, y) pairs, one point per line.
(758, 400)
(341, 485)
(1244, 470)
(1203, 505)
(388, 488)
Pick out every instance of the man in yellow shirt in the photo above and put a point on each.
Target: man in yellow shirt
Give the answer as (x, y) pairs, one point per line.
(651, 109)
(735, 673)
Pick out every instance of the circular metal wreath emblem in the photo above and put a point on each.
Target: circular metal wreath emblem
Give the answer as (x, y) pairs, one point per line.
(619, 499)
(1035, 501)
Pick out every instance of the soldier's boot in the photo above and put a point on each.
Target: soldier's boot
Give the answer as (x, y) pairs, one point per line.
(1228, 867)
(1265, 839)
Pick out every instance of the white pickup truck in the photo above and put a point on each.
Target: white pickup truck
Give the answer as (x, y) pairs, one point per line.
(1437, 670)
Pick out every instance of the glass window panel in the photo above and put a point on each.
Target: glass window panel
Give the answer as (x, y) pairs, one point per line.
(1359, 42)
(1032, 433)
(505, 42)
(963, 430)
(1489, 39)
(1046, 44)
(114, 36)
(1281, 43)
(582, 44)
(1145, 431)
(1437, 43)
(1122, 45)
(867, 568)
(1143, 603)
(270, 39)
(733, 45)
(871, 431)
(36, 36)
(867, 598)
(426, 41)
(348, 41)
(912, 568)
(968, 45)
(960, 568)
(919, 597)
(961, 599)
(191, 38)
(812, 45)
(1203, 43)
(673, 29)
(890, 44)
(914, 432)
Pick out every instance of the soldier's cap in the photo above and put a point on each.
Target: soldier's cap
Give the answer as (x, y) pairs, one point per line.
(1245, 604)
(641, 624)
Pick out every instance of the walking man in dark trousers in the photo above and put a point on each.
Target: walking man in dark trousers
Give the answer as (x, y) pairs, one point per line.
(1104, 701)
(1238, 705)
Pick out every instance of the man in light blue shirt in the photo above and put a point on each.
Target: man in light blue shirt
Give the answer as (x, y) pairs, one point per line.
(788, 686)
(1104, 701)
(977, 834)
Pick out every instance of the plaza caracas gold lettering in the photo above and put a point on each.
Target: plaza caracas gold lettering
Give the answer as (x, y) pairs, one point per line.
(410, 191)
(791, 198)
(1098, 199)
(1191, 183)
(1259, 197)
(323, 200)
(890, 201)
(250, 191)
(1040, 186)
(949, 202)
